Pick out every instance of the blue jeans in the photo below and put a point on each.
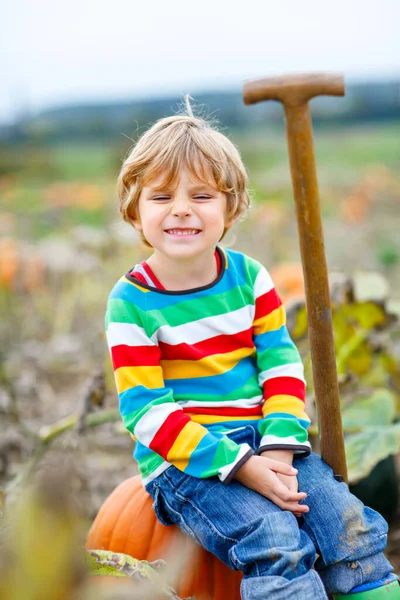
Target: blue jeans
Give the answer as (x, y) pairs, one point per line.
(275, 550)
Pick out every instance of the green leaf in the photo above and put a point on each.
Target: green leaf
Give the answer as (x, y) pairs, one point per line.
(367, 314)
(377, 375)
(343, 330)
(94, 568)
(377, 409)
(297, 321)
(365, 449)
(108, 571)
(137, 570)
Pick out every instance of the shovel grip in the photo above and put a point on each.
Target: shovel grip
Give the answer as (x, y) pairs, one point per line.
(295, 89)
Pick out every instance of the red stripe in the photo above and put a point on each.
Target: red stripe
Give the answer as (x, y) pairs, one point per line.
(232, 412)
(218, 261)
(215, 345)
(132, 356)
(290, 386)
(157, 283)
(168, 432)
(138, 276)
(266, 303)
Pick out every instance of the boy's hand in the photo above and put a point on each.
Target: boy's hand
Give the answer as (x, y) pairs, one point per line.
(262, 474)
(285, 456)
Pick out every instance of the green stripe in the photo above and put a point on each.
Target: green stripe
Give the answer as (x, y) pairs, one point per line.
(226, 453)
(283, 428)
(150, 463)
(120, 311)
(131, 419)
(252, 268)
(192, 310)
(277, 357)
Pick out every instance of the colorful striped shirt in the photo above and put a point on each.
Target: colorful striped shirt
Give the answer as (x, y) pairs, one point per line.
(191, 366)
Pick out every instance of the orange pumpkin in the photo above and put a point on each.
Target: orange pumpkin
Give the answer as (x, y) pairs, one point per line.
(126, 523)
(288, 280)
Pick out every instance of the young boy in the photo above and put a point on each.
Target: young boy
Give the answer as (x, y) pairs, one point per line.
(211, 385)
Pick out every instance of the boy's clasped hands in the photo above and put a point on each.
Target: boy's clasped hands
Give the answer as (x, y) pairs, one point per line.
(272, 475)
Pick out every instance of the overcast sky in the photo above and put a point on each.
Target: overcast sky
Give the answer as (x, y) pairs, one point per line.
(54, 52)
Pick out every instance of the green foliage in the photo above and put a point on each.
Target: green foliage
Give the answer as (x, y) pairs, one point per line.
(362, 412)
(117, 564)
(39, 549)
(368, 447)
(365, 329)
(149, 575)
(387, 253)
(42, 558)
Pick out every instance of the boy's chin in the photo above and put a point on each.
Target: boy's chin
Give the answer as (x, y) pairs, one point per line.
(183, 250)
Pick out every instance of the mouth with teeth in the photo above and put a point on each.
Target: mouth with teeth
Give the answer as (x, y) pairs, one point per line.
(183, 232)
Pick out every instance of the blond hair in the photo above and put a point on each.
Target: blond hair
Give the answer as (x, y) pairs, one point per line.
(183, 141)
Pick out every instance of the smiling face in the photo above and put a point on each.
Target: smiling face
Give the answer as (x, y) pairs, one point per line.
(185, 220)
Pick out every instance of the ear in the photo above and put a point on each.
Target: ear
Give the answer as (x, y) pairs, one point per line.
(230, 222)
(137, 224)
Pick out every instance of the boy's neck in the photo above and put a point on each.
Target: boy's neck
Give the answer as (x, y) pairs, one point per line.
(182, 274)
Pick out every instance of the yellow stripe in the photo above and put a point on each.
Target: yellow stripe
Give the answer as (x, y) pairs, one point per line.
(139, 287)
(285, 404)
(270, 322)
(188, 438)
(129, 377)
(207, 419)
(210, 365)
(226, 257)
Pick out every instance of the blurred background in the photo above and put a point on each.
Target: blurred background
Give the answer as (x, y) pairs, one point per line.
(80, 82)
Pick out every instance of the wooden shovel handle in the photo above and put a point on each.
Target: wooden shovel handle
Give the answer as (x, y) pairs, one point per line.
(295, 89)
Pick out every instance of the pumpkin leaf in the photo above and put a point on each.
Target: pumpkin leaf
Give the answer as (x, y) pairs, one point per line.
(360, 361)
(366, 314)
(365, 449)
(376, 376)
(137, 570)
(95, 568)
(356, 352)
(107, 570)
(343, 330)
(377, 409)
(297, 321)
(140, 571)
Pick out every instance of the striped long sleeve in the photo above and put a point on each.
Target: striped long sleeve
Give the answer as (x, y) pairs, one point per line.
(165, 434)
(281, 374)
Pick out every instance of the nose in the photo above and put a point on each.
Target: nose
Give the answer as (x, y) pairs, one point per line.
(181, 206)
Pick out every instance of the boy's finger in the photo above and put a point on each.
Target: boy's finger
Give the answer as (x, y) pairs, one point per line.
(285, 495)
(291, 506)
(280, 467)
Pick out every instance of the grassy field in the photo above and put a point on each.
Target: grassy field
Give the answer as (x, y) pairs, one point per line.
(344, 158)
(63, 246)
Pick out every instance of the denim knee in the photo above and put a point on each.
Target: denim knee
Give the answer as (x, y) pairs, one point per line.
(349, 537)
(342, 528)
(274, 546)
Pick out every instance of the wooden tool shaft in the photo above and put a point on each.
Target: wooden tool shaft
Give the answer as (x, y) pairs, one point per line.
(305, 187)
